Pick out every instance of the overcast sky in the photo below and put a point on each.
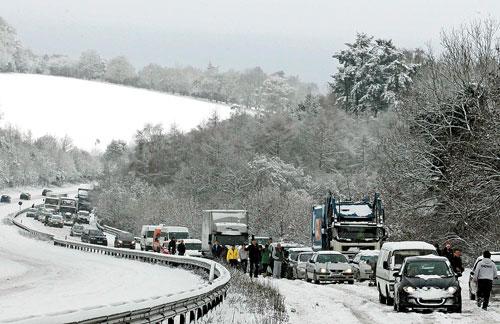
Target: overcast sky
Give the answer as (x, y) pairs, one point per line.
(298, 37)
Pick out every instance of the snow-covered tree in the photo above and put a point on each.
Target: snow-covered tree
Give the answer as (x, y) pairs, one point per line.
(9, 47)
(119, 70)
(90, 65)
(277, 94)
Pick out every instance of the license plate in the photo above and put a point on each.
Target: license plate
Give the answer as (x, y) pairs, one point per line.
(99, 241)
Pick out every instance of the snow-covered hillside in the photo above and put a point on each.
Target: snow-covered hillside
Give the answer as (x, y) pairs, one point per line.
(88, 110)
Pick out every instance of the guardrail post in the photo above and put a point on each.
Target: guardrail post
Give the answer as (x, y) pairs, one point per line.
(212, 273)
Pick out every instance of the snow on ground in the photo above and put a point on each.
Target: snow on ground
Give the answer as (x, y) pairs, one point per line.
(89, 110)
(343, 303)
(39, 279)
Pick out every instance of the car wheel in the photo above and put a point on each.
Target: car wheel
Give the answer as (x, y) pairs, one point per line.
(381, 298)
(351, 282)
(457, 309)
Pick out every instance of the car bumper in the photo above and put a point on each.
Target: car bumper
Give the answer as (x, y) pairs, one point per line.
(99, 242)
(334, 277)
(126, 245)
(441, 303)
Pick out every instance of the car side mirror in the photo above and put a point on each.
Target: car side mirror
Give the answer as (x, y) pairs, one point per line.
(311, 261)
(385, 265)
(397, 275)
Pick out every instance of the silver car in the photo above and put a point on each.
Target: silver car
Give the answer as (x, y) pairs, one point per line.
(329, 266)
(362, 264)
(299, 269)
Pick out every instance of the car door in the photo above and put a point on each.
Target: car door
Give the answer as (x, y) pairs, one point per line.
(310, 265)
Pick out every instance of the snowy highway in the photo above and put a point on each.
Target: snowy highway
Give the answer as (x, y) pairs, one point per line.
(40, 281)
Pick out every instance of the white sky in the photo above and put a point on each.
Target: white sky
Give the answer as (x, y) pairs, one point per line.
(298, 37)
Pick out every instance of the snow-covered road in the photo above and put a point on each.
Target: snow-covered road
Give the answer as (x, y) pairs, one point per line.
(342, 303)
(39, 280)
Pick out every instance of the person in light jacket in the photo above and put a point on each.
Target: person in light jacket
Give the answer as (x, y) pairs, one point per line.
(243, 257)
(278, 257)
(486, 272)
(232, 256)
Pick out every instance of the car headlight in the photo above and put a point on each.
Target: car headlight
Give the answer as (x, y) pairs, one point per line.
(409, 289)
(452, 290)
(120, 242)
(348, 270)
(322, 270)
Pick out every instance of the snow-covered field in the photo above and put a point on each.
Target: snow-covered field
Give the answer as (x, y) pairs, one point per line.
(39, 280)
(88, 110)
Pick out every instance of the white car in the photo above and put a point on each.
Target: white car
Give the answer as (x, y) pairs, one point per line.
(495, 291)
(329, 266)
(193, 247)
(299, 269)
(361, 264)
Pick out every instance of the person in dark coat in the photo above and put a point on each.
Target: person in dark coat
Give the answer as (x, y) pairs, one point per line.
(447, 251)
(254, 257)
(216, 250)
(456, 261)
(181, 248)
(172, 245)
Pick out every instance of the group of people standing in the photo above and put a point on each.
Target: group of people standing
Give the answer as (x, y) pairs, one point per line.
(484, 272)
(171, 248)
(264, 260)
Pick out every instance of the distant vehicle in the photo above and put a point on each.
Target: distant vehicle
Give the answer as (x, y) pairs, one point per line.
(76, 230)
(361, 264)
(94, 235)
(293, 254)
(83, 217)
(262, 240)
(330, 266)
(226, 226)
(299, 270)
(495, 257)
(179, 232)
(193, 247)
(55, 221)
(31, 212)
(147, 233)
(52, 202)
(46, 191)
(124, 240)
(427, 282)
(84, 199)
(5, 199)
(68, 208)
(25, 196)
(390, 259)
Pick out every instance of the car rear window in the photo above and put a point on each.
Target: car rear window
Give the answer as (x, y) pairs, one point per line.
(305, 257)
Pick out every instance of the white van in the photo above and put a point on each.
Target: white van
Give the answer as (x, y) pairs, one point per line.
(179, 232)
(193, 247)
(390, 259)
(147, 232)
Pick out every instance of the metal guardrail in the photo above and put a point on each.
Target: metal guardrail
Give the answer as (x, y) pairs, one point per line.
(190, 307)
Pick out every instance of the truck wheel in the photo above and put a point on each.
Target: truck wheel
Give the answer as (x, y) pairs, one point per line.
(381, 298)
(390, 301)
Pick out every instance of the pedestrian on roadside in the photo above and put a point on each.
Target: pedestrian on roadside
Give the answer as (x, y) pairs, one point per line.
(243, 257)
(232, 256)
(271, 251)
(438, 248)
(278, 257)
(456, 261)
(216, 250)
(264, 259)
(172, 245)
(181, 248)
(254, 257)
(486, 272)
(447, 251)
(156, 245)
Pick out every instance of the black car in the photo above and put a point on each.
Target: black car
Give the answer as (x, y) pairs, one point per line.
(25, 196)
(125, 240)
(427, 282)
(94, 236)
(46, 191)
(5, 199)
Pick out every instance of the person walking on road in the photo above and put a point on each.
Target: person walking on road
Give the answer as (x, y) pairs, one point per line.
(254, 256)
(486, 272)
(243, 257)
(181, 248)
(264, 259)
(172, 245)
(447, 251)
(456, 261)
(232, 256)
(278, 257)
(271, 251)
(216, 250)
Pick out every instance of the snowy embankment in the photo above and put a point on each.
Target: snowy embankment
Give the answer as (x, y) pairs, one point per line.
(88, 111)
(40, 281)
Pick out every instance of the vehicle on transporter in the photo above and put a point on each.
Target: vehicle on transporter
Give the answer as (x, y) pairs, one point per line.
(228, 227)
(348, 227)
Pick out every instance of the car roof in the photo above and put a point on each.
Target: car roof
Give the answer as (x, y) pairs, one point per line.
(176, 228)
(425, 257)
(328, 252)
(368, 252)
(300, 249)
(495, 256)
(408, 245)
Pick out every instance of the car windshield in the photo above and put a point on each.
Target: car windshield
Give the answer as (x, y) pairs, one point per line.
(369, 258)
(193, 246)
(56, 217)
(78, 227)
(400, 256)
(333, 258)
(294, 255)
(304, 257)
(178, 235)
(125, 236)
(427, 268)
